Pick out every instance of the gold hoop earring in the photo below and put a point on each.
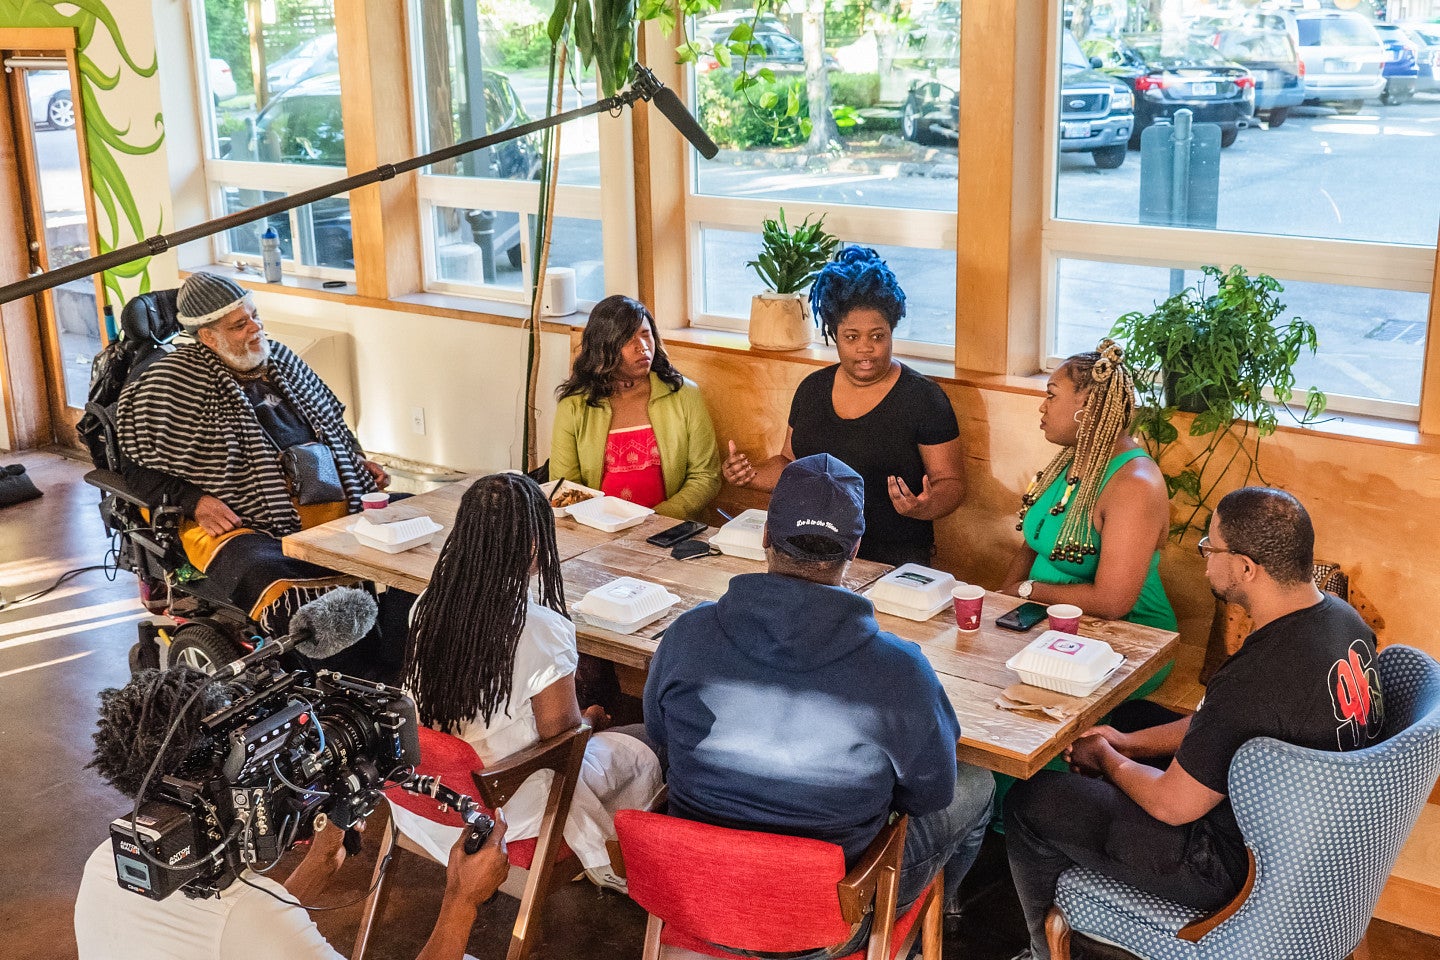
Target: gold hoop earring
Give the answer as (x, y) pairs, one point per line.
(1080, 415)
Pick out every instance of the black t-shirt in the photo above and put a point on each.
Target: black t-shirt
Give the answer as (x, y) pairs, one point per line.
(1309, 678)
(884, 442)
(278, 417)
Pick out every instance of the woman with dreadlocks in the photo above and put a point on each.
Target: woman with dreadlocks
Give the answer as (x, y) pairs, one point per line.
(1101, 487)
(490, 665)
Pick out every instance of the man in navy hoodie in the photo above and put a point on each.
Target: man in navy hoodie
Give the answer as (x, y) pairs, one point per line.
(784, 707)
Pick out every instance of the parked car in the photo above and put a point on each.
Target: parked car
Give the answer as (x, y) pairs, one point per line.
(312, 58)
(1096, 111)
(1168, 72)
(1402, 65)
(783, 53)
(1273, 60)
(303, 125)
(1426, 37)
(222, 81)
(717, 25)
(1343, 57)
(51, 106)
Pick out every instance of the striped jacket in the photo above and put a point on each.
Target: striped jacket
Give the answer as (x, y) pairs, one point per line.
(187, 416)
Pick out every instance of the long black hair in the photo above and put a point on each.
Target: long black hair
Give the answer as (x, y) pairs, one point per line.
(613, 322)
(460, 654)
(858, 277)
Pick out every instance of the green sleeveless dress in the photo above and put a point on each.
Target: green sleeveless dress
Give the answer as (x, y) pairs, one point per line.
(1041, 530)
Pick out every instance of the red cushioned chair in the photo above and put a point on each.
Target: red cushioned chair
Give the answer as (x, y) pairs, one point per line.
(547, 857)
(705, 885)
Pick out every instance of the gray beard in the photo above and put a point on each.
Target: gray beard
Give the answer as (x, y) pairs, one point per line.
(246, 360)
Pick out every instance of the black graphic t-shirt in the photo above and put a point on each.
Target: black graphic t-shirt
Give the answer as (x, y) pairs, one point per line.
(1309, 678)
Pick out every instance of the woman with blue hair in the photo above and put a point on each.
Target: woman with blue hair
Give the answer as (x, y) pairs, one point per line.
(893, 426)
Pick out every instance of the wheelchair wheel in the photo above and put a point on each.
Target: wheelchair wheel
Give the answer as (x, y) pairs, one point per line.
(201, 646)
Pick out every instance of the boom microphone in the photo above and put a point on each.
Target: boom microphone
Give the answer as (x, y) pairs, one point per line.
(327, 625)
(680, 118)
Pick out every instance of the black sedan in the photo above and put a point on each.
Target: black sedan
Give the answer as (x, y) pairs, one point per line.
(1168, 72)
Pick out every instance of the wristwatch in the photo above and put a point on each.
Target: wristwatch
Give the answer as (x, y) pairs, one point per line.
(1025, 589)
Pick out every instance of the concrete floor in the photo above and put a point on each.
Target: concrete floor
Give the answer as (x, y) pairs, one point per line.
(58, 651)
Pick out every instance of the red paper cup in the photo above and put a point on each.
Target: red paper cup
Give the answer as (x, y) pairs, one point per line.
(1064, 617)
(968, 600)
(374, 501)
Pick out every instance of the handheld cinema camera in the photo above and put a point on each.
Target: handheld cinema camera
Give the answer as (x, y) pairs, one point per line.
(288, 747)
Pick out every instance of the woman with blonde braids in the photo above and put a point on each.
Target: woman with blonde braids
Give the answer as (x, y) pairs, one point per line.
(1101, 488)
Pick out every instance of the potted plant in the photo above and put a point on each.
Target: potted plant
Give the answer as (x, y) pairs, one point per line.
(1221, 351)
(789, 260)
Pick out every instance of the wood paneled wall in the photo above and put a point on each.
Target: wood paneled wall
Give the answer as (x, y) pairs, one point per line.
(1372, 502)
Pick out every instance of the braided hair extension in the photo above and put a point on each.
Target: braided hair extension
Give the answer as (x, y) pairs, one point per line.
(613, 322)
(1109, 407)
(460, 654)
(857, 278)
(135, 718)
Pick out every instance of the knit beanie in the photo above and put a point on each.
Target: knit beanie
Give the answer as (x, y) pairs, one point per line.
(205, 298)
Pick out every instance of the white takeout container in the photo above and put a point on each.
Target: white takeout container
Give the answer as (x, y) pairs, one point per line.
(1066, 663)
(912, 591)
(743, 537)
(397, 536)
(609, 513)
(624, 605)
(570, 485)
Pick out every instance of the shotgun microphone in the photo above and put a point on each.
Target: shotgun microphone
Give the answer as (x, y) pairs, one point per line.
(681, 120)
(325, 626)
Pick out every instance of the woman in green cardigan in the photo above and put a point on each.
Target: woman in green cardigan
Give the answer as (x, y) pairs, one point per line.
(628, 423)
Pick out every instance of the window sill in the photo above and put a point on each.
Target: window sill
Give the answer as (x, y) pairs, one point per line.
(470, 309)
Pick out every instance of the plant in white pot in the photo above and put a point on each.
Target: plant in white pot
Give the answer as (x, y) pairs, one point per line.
(789, 260)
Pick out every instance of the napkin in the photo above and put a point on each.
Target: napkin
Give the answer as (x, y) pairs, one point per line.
(394, 513)
(1035, 702)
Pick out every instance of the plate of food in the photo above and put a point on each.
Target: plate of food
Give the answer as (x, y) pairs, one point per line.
(566, 494)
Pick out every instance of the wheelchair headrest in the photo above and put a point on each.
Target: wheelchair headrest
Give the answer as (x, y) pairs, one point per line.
(151, 317)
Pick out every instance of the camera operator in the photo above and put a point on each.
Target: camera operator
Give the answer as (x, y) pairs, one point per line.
(252, 916)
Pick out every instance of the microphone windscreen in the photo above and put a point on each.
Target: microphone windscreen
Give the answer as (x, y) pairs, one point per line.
(333, 622)
(689, 128)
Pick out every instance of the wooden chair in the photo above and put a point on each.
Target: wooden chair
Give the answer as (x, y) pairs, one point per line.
(546, 856)
(705, 885)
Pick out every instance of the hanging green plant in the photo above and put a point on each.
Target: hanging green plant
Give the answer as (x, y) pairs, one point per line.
(1221, 351)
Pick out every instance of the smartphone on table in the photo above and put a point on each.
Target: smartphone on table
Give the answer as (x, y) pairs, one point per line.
(1022, 618)
(680, 532)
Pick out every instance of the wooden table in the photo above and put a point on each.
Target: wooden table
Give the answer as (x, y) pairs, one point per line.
(971, 666)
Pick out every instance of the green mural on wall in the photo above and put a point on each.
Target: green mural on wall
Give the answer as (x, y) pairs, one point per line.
(104, 141)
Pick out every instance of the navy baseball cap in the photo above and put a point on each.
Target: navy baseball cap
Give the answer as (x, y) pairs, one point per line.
(817, 499)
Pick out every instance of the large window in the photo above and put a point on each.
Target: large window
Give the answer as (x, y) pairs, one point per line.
(1312, 160)
(481, 69)
(271, 99)
(857, 118)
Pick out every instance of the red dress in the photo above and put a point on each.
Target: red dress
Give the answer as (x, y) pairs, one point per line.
(632, 466)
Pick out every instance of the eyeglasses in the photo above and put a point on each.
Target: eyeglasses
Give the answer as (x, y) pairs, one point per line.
(1205, 550)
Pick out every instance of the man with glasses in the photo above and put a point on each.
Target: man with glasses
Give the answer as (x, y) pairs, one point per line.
(1148, 806)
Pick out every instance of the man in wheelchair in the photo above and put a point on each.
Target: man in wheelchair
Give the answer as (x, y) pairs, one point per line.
(249, 444)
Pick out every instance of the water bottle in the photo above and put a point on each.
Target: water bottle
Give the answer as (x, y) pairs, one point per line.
(270, 254)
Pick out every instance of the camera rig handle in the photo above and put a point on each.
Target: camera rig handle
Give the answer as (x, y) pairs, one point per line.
(479, 822)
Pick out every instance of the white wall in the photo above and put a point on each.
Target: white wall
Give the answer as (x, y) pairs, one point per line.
(468, 376)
